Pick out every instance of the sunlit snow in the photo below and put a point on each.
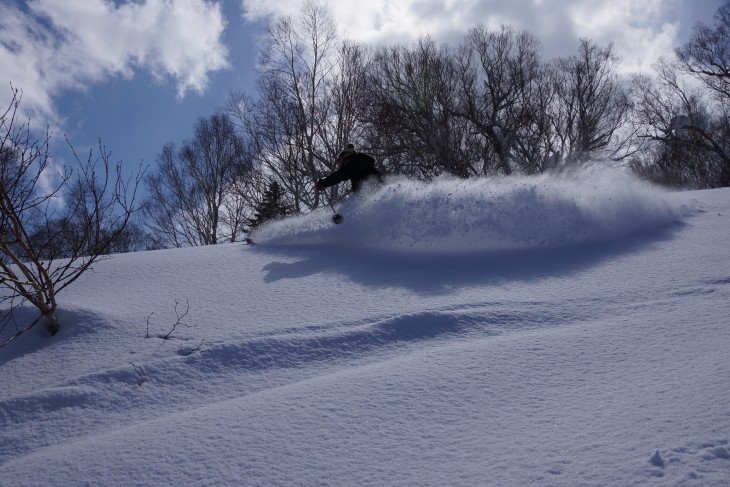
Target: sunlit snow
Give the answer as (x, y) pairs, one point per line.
(559, 330)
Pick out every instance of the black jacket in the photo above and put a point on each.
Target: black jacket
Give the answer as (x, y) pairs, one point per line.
(356, 168)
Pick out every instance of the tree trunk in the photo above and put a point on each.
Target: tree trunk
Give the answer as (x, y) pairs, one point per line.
(53, 325)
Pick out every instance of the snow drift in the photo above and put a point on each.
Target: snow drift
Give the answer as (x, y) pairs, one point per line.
(485, 214)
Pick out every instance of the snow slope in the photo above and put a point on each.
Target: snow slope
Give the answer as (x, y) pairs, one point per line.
(564, 330)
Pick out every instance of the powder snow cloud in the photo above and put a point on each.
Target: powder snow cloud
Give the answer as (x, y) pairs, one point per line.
(47, 46)
(450, 215)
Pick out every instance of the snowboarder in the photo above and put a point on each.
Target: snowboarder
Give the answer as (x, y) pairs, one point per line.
(358, 167)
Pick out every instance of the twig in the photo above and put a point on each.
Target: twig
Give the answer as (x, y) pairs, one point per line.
(148, 325)
(179, 318)
(141, 375)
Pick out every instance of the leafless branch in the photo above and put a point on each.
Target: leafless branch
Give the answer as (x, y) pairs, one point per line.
(46, 246)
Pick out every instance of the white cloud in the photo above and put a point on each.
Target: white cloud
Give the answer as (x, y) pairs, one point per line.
(377, 21)
(641, 30)
(51, 46)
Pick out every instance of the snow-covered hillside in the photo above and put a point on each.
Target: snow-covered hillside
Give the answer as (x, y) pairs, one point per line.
(566, 330)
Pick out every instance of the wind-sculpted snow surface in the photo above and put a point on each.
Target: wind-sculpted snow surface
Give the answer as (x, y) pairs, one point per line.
(580, 365)
(452, 215)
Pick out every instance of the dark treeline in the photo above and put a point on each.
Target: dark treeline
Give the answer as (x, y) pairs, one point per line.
(491, 105)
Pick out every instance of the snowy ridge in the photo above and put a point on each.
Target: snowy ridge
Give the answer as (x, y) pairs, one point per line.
(486, 214)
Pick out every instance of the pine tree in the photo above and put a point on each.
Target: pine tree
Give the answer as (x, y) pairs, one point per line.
(271, 207)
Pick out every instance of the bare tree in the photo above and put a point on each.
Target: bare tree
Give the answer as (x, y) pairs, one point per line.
(683, 111)
(413, 92)
(191, 199)
(346, 103)
(310, 89)
(671, 111)
(97, 205)
(674, 165)
(498, 70)
(296, 66)
(535, 146)
(706, 56)
(591, 105)
(491, 106)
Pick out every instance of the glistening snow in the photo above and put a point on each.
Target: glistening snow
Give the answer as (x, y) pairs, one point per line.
(563, 330)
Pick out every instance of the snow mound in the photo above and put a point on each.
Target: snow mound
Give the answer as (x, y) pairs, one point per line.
(485, 214)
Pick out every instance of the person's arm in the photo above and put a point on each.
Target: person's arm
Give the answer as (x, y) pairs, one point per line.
(342, 174)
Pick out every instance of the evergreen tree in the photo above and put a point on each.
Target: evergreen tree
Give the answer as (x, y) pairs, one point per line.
(271, 207)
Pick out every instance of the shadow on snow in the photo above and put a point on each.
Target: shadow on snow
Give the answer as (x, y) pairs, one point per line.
(440, 273)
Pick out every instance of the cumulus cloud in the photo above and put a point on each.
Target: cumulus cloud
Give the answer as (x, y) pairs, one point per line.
(641, 30)
(47, 46)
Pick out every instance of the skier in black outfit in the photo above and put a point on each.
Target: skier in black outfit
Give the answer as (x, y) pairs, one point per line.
(355, 166)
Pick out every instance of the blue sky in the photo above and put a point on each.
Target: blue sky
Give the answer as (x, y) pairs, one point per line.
(138, 74)
(136, 116)
(139, 108)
